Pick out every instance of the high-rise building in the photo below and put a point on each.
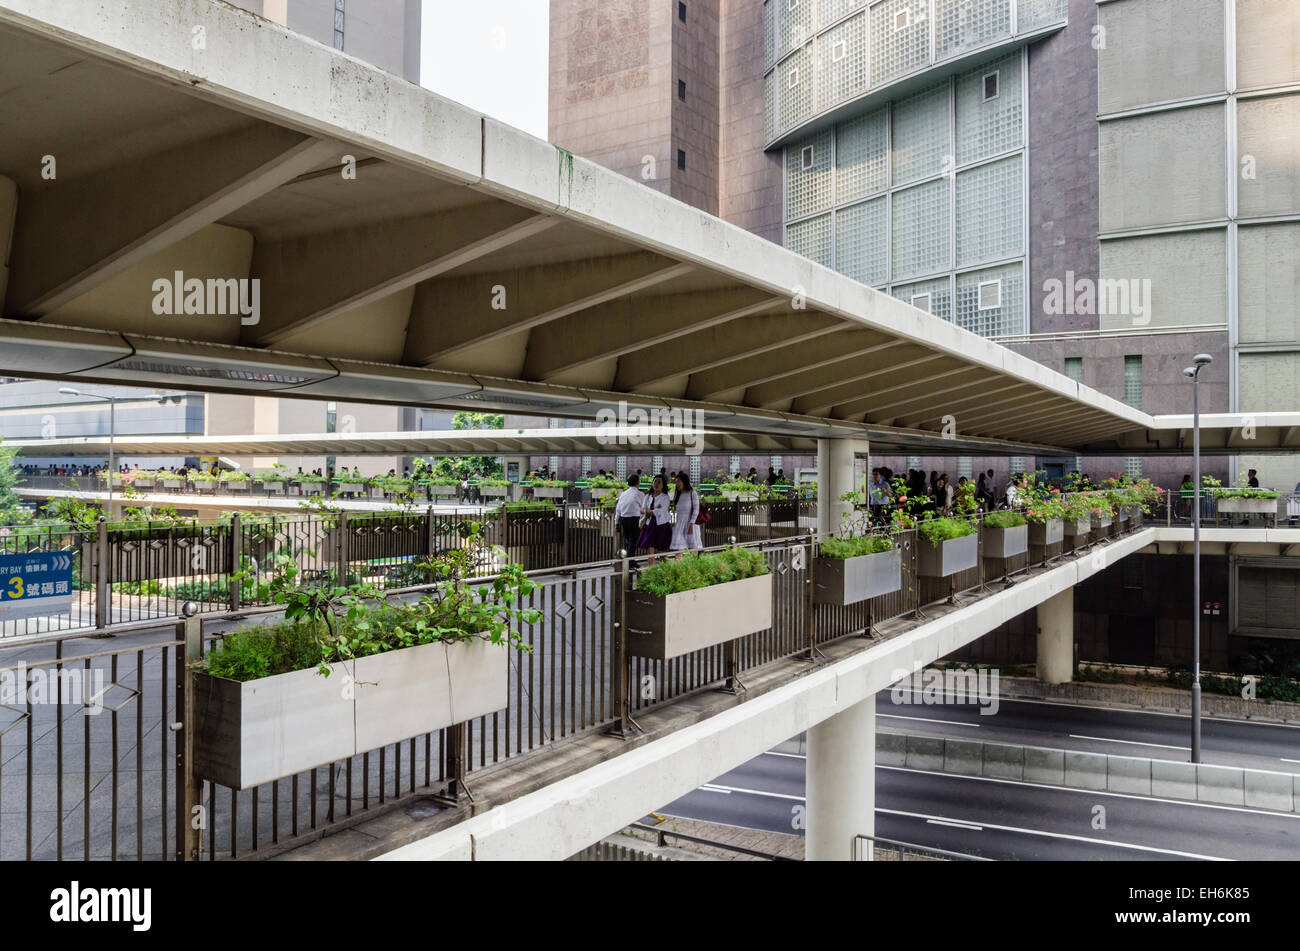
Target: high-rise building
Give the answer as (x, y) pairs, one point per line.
(1108, 187)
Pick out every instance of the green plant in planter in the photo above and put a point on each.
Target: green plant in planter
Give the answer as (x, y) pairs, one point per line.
(701, 571)
(745, 488)
(936, 531)
(492, 481)
(326, 624)
(278, 474)
(606, 482)
(1239, 490)
(1004, 519)
(855, 547)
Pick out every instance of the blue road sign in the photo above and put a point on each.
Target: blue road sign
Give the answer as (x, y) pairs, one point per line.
(35, 584)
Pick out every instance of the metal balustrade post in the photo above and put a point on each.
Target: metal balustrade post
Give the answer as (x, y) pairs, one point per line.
(342, 551)
(236, 561)
(620, 662)
(103, 613)
(191, 819)
(809, 599)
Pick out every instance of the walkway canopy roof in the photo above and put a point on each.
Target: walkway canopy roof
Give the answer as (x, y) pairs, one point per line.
(409, 250)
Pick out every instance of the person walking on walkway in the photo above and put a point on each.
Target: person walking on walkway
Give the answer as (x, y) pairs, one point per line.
(686, 534)
(628, 513)
(657, 533)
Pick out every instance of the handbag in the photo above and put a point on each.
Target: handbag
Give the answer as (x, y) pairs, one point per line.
(703, 516)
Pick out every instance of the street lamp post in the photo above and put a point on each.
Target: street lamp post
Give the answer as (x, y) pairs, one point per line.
(112, 428)
(1194, 373)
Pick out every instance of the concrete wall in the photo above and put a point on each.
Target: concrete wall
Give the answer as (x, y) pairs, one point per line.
(1063, 188)
(612, 85)
(695, 125)
(750, 186)
(1165, 779)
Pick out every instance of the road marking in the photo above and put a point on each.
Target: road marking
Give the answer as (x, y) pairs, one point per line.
(1144, 713)
(709, 787)
(894, 716)
(956, 825)
(1106, 739)
(788, 755)
(1285, 760)
(1071, 838)
(963, 823)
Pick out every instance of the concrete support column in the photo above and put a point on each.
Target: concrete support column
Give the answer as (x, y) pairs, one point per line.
(835, 476)
(841, 782)
(1056, 638)
(8, 215)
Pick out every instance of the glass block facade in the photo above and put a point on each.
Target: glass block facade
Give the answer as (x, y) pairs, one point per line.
(840, 50)
(924, 197)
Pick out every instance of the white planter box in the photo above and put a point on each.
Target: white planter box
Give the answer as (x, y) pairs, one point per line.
(665, 627)
(236, 486)
(171, 483)
(948, 557)
(494, 491)
(1247, 506)
(261, 730)
(546, 492)
(1006, 542)
(1047, 533)
(273, 488)
(1102, 521)
(1082, 527)
(206, 488)
(850, 580)
(143, 484)
(446, 491)
(602, 492)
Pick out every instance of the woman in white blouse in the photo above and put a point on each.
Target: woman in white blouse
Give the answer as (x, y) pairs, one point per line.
(657, 533)
(686, 534)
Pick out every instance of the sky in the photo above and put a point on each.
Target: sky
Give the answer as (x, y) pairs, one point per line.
(490, 55)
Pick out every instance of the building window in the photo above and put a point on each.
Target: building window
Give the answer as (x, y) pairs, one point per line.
(794, 77)
(838, 51)
(992, 85)
(806, 158)
(338, 24)
(1074, 368)
(990, 295)
(681, 12)
(794, 4)
(681, 89)
(922, 302)
(681, 160)
(1133, 381)
(902, 19)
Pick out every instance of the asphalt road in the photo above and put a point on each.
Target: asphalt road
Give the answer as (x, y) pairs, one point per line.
(1101, 730)
(1002, 819)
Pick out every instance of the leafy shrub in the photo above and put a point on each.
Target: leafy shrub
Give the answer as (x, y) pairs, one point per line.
(939, 530)
(854, 547)
(1003, 519)
(701, 571)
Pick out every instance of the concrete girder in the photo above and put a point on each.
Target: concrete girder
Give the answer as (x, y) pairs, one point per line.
(1033, 417)
(814, 354)
(812, 396)
(625, 326)
(122, 218)
(954, 407)
(917, 395)
(715, 346)
(458, 313)
(313, 278)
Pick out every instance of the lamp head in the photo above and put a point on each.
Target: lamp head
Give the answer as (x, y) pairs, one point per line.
(69, 391)
(1190, 372)
(1202, 359)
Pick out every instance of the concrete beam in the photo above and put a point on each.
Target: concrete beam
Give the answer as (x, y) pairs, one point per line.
(717, 346)
(454, 315)
(811, 394)
(107, 220)
(310, 279)
(952, 398)
(626, 325)
(812, 355)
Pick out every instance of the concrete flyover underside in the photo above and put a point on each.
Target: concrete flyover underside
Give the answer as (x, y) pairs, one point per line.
(409, 250)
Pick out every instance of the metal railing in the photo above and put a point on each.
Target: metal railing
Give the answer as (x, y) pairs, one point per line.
(113, 784)
(866, 847)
